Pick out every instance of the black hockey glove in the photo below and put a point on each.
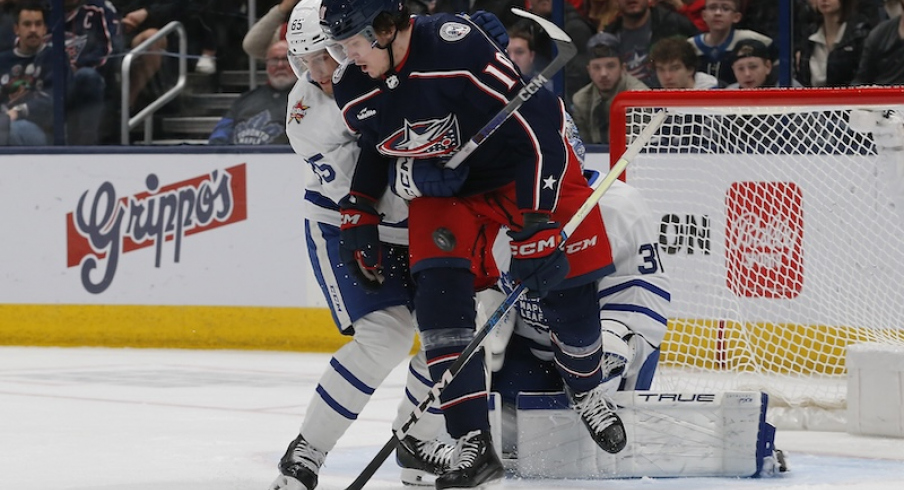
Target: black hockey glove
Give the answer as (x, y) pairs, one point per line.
(537, 261)
(359, 240)
(491, 25)
(410, 178)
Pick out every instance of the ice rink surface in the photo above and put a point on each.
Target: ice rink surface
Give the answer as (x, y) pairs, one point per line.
(135, 419)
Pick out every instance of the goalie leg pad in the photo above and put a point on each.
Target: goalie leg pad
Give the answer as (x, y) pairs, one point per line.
(669, 435)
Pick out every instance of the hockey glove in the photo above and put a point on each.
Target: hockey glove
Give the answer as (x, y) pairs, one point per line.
(359, 240)
(537, 261)
(490, 24)
(412, 178)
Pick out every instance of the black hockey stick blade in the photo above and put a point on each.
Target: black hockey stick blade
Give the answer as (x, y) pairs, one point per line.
(565, 50)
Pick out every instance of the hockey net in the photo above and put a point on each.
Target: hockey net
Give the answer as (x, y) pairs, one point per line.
(779, 227)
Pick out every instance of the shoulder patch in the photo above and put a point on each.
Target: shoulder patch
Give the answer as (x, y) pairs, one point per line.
(454, 31)
(340, 70)
(298, 111)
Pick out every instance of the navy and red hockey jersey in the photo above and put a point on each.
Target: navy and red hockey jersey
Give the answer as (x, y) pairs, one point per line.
(92, 32)
(452, 81)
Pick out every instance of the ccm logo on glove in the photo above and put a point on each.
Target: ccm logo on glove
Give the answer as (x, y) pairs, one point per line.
(541, 245)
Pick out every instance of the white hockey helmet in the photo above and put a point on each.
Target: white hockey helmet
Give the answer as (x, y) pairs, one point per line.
(304, 34)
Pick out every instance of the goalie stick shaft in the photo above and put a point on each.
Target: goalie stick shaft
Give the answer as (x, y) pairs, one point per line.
(467, 353)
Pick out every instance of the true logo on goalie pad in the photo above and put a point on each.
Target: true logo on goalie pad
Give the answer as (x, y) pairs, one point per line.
(764, 239)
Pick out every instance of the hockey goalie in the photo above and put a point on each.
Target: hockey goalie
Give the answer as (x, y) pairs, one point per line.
(668, 434)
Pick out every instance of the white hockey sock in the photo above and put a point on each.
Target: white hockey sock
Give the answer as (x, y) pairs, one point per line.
(382, 340)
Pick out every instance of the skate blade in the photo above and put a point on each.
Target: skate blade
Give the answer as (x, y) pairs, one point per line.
(495, 484)
(417, 478)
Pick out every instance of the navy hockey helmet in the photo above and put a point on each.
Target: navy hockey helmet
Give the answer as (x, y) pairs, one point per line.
(342, 19)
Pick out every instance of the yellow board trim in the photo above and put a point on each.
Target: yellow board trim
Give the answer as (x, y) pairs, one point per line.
(707, 344)
(188, 327)
(715, 345)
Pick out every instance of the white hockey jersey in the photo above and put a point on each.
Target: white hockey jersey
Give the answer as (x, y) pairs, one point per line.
(636, 294)
(319, 135)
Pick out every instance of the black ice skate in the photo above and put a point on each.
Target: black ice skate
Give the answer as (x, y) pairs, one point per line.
(423, 461)
(598, 414)
(299, 467)
(475, 463)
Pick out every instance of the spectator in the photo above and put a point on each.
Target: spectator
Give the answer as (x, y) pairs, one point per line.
(580, 30)
(882, 62)
(258, 116)
(602, 12)
(639, 28)
(142, 19)
(529, 47)
(211, 24)
(692, 9)
(714, 48)
(91, 35)
(676, 65)
(752, 63)
(25, 78)
(609, 77)
(266, 31)
(832, 52)
(763, 17)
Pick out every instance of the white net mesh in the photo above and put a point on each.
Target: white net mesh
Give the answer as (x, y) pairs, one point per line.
(780, 230)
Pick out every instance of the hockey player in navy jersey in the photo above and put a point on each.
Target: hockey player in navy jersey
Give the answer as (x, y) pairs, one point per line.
(381, 323)
(415, 89)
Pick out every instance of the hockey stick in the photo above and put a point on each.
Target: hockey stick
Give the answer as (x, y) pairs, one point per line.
(600, 188)
(565, 50)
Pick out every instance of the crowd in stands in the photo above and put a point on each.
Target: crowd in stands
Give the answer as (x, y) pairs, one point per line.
(97, 34)
(622, 45)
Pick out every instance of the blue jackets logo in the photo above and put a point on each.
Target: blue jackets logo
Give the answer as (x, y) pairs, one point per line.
(423, 139)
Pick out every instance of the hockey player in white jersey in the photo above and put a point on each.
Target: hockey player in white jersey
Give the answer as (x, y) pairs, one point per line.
(634, 303)
(380, 321)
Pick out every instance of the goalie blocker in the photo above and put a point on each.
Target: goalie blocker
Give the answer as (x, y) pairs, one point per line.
(669, 435)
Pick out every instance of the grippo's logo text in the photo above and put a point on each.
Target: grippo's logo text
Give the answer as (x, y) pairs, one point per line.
(103, 227)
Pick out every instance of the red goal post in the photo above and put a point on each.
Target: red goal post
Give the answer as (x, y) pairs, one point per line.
(781, 228)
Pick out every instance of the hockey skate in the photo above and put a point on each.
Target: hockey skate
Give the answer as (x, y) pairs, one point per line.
(598, 414)
(423, 461)
(475, 463)
(299, 467)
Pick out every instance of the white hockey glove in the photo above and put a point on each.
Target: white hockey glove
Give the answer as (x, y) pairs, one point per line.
(618, 350)
(411, 178)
